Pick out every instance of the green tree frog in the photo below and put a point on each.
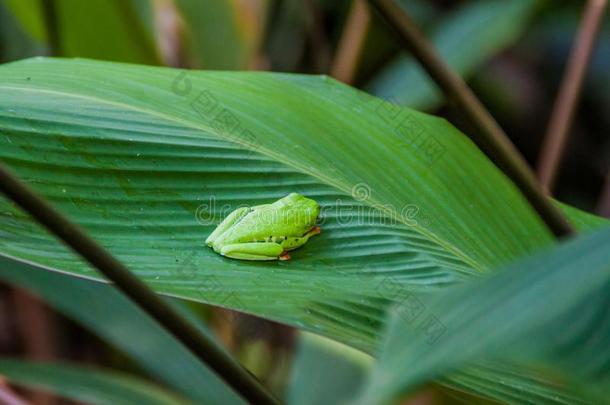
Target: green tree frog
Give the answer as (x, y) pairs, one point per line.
(266, 232)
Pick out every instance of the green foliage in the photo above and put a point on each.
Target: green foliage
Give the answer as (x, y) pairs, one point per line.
(473, 34)
(149, 159)
(159, 156)
(106, 29)
(111, 316)
(30, 15)
(117, 30)
(15, 43)
(222, 34)
(336, 371)
(93, 386)
(543, 308)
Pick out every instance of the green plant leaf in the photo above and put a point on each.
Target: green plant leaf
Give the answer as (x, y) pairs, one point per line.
(552, 307)
(147, 171)
(223, 34)
(466, 39)
(30, 15)
(336, 371)
(511, 383)
(93, 386)
(111, 316)
(15, 43)
(149, 159)
(114, 30)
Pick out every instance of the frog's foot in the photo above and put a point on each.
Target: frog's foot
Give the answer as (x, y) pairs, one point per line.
(285, 256)
(316, 230)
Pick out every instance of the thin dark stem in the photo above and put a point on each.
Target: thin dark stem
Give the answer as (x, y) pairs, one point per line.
(36, 325)
(488, 134)
(50, 19)
(75, 237)
(317, 36)
(556, 138)
(603, 205)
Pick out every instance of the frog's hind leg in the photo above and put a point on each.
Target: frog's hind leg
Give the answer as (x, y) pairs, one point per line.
(231, 219)
(293, 242)
(253, 251)
(258, 207)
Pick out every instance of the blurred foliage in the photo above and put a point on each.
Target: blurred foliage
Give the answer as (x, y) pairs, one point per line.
(519, 87)
(30, 15)
(90, 385)
(224, 34)
(336, 371)
(111, 316)
(15, 42)
(117, 30)
(485, 26)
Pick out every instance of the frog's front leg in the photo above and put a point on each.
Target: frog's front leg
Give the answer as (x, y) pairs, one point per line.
(228, 222)
(253, 251)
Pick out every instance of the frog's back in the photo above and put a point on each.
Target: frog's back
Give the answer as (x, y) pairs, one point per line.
(292, 215)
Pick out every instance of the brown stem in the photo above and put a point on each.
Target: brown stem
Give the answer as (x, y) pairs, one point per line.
(603, 205)
(36, 328)
(8, 397)
(556, 137)
(317, 36)
(488, 135)
(351, 43)
(52, 27)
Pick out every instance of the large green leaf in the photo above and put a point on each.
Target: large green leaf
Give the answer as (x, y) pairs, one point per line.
(93, 386)
(148, 159)
(551, 307)
(112, 317)
(121, 150)
(466, 39)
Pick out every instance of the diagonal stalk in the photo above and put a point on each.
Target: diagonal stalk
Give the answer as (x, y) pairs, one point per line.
(74, 236)
(488, 135)
(8, 397)
(556, 137)
(603, 204)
